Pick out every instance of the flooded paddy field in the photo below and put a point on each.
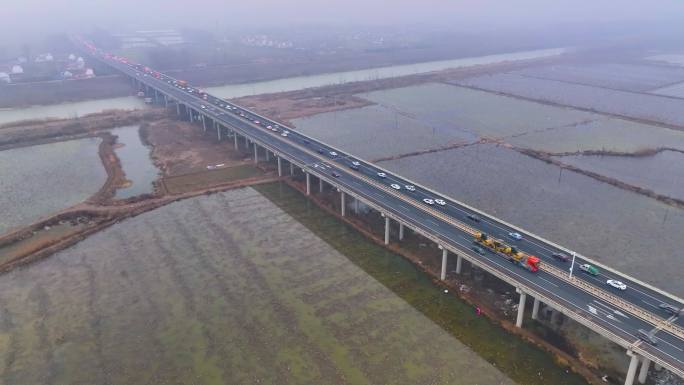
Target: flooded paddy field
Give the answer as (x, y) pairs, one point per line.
(603, 134)
(630, 232)
(662, 172)
(675, 90)
(621, 76)
(230, 288)
(39, 180)
(135, 159)
(377, 131)
(634, 105)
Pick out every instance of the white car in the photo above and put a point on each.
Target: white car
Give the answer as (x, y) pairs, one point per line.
(440, 202)
(203, 107)
(333, 153)
(284, 134)
(429, 201)
(410, 187)
(616, 284)
(395, 186)
(257, 122)
(382, 175)
(516, 236)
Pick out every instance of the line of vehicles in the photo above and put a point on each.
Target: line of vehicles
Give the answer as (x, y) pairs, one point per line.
(481, 240)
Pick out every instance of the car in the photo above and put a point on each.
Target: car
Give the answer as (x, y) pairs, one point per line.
(203, 107)
(589, 269)
(382, 175)
(332, 153)
(395, 186)
(429, 201)
(354, 165)
(478, 250)
(269, 127)
(410, 187)
(321, 151)
(516, 236)
(257, 122)
(473, 217)
(616, 284)
(670, 309)
(647, 337)
(440, 202)
(305, 141)
(284, 134)
(335, 174)
(560, 257)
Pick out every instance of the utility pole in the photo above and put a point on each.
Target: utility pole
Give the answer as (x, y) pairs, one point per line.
(572, 265)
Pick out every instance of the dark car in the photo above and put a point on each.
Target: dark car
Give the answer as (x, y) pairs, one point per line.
(647, 337)
(478, 250)
(473, 217)
(560, 257)
(669, 308)
(335, 174)
(321, 151)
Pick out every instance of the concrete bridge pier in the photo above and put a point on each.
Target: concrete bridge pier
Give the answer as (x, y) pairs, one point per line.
(218, 131)
(268, 155)
(459, 263)
(178, 109)
(387, 230)
(521, 308)
(292, 170)
(535, 308)
(256, 154)
(280, 165)
(204, 124)
(166, 101)
(631, 371)
(356, 206)
(308, 183)
(320, 185)
(235, 140)
(643, 372)
(445, 253)
(343, 203)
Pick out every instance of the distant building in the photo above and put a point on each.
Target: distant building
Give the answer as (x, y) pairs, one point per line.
(67, 75)
(89, 73)
(72, 57)
(5, 78)
(44, 57)
(17, 69)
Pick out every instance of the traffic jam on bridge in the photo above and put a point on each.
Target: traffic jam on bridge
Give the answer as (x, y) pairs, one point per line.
(626, 306)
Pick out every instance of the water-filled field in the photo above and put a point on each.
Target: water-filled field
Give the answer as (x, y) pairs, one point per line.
(662, 172)
(675, 90)
(376, 131)
(630, 232)
(71, 109)
(622, 76)
(608, 134)
(634, 105)
(135, 161)
(230, 289)
(39, 180)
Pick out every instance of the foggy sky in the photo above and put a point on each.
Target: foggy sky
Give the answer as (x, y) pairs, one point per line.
(39, 17)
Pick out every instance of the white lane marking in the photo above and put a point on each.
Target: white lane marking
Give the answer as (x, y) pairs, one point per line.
(550, 283)
(433, 222)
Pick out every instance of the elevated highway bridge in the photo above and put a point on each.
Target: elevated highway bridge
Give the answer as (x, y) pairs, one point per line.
(632, 318)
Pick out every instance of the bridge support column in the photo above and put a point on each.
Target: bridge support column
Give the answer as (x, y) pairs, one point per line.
(643, 372)
(442, 275)
(387, 229)
(166, 101)
(268, 156)
(308, 183)
(459, 263)
(320, 185)
(178, 108)
(247, 142)
(256, 154)
(280, 165)
(291, 169)
(535, 308)
(401, 231)
(343, 203)
(631, 371)
(235, 139)
(191, 113)
(204, 124)
(356, 206)
(218, 132)
(521, 308)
